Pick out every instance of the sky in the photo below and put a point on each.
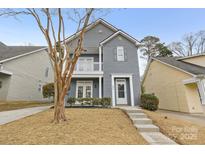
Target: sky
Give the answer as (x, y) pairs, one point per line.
(167, 24)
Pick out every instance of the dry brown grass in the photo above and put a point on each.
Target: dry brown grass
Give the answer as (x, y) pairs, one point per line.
(182, 131)
(85, 126)
(13, 105)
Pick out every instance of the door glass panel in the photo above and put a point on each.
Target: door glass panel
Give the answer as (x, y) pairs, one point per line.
(88, 91)
(80, 91)
(121, 91)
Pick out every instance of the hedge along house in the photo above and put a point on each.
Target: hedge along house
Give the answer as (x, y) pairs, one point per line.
(109, 67)
(23, 72)
(179, 84)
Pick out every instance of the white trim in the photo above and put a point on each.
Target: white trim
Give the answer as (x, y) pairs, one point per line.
(100, 87)
(191, 80)
(90, 26)
(83, 82)
(94, 74)
(192, 56)
(6, 72)
(174, 67)
(25, 54)
(148, 65)
(85, 64)
(120, 48)
(123, 34)
(100, 58)
(131, 91)
(121, 75)
(121, 81)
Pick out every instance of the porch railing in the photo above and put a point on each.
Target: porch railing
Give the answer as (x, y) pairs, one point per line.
(88, 67)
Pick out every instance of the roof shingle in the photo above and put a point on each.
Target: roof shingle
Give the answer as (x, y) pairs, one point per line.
(188, 67)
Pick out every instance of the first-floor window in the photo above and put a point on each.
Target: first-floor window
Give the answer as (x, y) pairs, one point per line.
(0, 84)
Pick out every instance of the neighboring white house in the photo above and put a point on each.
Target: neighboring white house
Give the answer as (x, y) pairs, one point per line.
(23, 72)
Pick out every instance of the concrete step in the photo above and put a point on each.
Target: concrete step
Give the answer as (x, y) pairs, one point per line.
(147, 128)
(134, 110)
(137, 115)
(157, 138)
(142, 121)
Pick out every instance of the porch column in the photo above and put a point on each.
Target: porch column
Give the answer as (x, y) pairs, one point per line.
(113, 91)
(100, 87)
(131, 91)
(100, 58)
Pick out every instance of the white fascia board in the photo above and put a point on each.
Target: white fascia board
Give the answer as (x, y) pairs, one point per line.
(191, 80)
(90, 27)
(192, 56)
(25, 54)
(6, 72)
(175, 67)
(123, 34)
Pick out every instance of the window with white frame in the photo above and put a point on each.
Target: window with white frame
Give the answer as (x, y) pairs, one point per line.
(120, 54)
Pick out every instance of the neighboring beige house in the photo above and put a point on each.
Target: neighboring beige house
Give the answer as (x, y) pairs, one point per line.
(179, 83)
(23, 71)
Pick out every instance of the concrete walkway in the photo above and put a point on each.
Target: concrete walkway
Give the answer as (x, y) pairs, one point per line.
(194, 118)
(9, 116)
(149, 131)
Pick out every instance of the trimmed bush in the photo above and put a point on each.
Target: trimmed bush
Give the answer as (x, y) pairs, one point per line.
(48, 90)
(71, 101)
(104, 102)
(149, 102)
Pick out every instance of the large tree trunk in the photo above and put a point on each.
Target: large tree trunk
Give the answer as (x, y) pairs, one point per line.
(59, 109)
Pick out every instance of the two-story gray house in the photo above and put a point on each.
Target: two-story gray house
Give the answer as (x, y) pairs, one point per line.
(109, 67)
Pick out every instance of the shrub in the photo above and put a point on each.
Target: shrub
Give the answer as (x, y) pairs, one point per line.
(104, 102)
(149, 102)
(48, 90)
(71, 100)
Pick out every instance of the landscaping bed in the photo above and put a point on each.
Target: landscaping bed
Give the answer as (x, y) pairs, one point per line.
(181, 131)
(13, 105)
(84, 126)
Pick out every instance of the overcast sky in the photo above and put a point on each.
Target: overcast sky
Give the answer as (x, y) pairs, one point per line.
(167, 24)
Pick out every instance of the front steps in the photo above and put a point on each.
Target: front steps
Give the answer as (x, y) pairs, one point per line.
(150, 132)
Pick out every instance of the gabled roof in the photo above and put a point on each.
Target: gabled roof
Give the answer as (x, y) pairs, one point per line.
(185, 66)
(11, 52)
(132, 39)
(189, 68)
(91, 25)
(192, 56)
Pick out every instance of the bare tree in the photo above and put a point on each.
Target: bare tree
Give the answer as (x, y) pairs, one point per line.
(200, 44)
(192, 43)
(177, 48)
(59, 51)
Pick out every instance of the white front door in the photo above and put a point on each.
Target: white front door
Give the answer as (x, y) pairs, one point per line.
(84, 89)
(121, 91)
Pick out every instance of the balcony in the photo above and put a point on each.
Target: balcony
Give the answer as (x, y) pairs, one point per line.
(88, 68)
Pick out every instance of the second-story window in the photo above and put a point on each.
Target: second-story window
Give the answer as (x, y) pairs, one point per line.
(120, 53)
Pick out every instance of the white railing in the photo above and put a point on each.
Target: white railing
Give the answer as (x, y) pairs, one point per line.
(88, 67)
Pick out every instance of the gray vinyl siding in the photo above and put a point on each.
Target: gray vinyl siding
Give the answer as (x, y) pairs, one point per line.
(92, 39)
(111, 65)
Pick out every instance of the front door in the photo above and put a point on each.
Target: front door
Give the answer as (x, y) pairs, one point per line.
(121, 91)
(84, 89)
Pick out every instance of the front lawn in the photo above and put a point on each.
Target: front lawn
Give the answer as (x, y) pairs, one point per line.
(85, 126)
(182, 131)
(13, 105)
